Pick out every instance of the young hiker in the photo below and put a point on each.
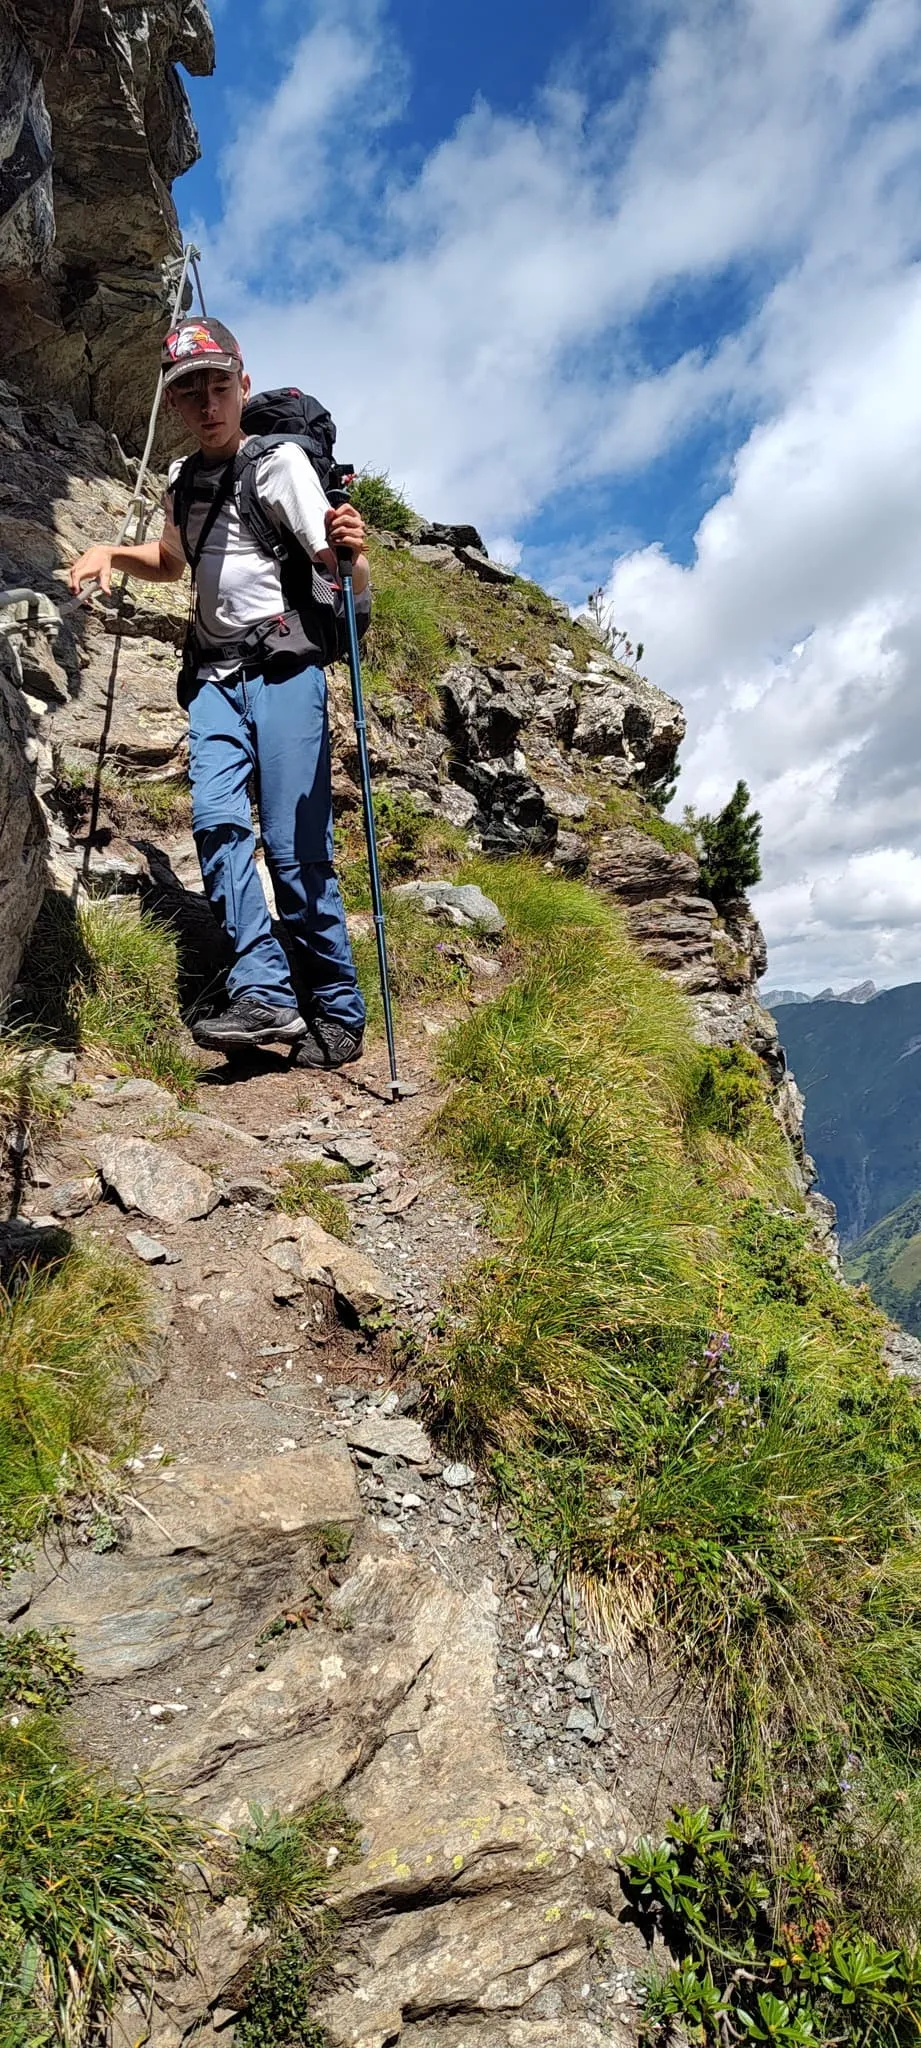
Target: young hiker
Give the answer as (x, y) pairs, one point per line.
(252, 721)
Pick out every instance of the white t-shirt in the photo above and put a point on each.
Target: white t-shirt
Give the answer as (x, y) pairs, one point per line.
(238, 586)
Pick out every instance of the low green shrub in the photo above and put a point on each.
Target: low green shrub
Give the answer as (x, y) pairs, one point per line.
(763, 1955)
(281, 1993)
(282, 1866)
(37, 1671)
(731, 1090)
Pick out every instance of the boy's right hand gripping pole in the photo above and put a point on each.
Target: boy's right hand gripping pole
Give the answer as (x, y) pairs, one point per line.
(344, 559)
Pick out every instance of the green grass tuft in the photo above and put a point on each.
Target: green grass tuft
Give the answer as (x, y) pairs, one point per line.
(282, 1864)
(163, 803)
(684, 1409)
(104, 978)
(305, 1191)
(67, 1336)
(380, 505)
(92, 1897)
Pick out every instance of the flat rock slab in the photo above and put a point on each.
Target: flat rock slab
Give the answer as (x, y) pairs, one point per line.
(224, 1507)
(503, 2032)
(145, 1096)
(154, 1181)
(298, 1245)
(384, 1437)
(211, 1557)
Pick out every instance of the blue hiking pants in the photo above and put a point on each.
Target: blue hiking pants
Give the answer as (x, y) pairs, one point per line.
(274, 736)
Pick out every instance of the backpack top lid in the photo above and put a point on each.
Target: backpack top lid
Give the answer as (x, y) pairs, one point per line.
(295, 416)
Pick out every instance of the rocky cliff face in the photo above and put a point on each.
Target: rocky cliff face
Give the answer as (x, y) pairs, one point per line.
(94, 126)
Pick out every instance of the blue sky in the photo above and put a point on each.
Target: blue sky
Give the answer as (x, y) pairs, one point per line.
(637, 291)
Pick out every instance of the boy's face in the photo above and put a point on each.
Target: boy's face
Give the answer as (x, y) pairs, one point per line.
(209, 403)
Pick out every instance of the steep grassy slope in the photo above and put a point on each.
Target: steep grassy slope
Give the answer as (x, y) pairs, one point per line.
(857, 1065)
(888, 1259)
(685, 1411)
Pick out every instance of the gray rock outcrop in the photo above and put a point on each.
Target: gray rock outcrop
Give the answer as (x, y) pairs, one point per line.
(94, 126)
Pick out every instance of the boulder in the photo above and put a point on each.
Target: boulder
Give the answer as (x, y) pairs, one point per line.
(512, 815)
(482, 566)
(459, 903)
(441, 536)
(484, 710)
(677, 933)
(437, 557)
(823, 1217)
(722, 1018)
(620, 714)
(153, 1180)
(297, 1245)
(902, 1354)
(23, 843)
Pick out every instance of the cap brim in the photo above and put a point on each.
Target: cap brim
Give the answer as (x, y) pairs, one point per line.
(191, 364)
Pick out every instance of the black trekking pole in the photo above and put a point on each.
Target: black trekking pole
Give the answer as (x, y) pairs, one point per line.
(338, 495)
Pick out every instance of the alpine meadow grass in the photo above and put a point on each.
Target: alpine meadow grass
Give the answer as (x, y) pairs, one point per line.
(684, 1410)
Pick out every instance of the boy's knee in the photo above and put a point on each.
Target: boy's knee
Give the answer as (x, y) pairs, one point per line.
(209, 820)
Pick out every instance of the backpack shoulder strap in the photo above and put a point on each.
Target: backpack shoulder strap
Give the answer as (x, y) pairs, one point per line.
(268, 538)
(183, 495)
(182, 499)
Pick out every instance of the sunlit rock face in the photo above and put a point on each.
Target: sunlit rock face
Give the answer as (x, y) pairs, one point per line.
(94, 126)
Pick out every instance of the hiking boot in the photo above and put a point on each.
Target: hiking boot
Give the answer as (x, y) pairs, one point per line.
(328, 1044)
(247, 1022)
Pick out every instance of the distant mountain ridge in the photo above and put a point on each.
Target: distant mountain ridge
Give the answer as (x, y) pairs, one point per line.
(858, 1065)
(782, 998)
